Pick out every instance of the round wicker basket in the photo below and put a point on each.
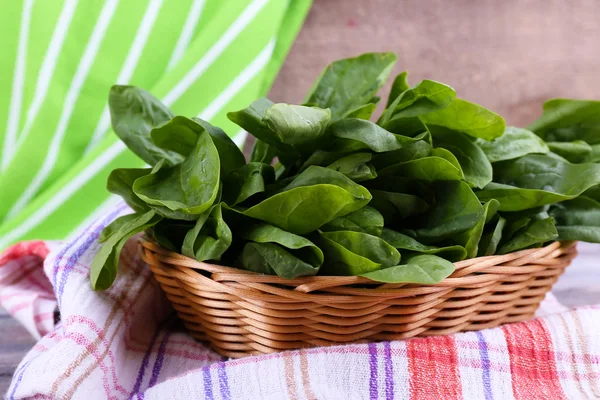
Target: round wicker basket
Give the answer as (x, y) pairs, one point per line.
(243, 313)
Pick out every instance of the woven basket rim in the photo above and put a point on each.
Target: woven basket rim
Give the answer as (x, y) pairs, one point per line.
(226, 273)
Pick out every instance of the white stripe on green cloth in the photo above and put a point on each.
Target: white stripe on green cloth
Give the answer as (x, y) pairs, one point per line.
(81, 74)
(187, 33)
(131, 62)
(235, 79)
(14, 114)
(46, 71)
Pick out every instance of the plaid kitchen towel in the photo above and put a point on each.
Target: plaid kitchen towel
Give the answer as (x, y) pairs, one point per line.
(126, 343)
(60, 57)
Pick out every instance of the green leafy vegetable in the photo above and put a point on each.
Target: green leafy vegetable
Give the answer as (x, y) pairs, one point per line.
(106, 262)
(469, 118)
(347, 84)
(514, 143)
(424, 269)
(134, 112)
(273, 250)
(354, 253)
(328, 191)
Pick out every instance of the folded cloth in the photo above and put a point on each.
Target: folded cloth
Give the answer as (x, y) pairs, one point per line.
(126, 343)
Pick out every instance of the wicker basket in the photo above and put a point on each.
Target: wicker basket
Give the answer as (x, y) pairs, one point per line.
(243, 313)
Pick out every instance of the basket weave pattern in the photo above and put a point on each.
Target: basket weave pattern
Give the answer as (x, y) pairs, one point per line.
(243, 313)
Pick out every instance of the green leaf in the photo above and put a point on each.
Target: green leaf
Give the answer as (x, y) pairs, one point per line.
(448, 156)
(357, 134)
(247, 181)
(313, 198)
(413, 151)
(428, 96)
(106, 261)
(533, 235)
(120, 182)
(170, 233)
(190, 187)
(399, 86)
(298, 126)
(262, 152)
(209, 238)
(535, 180)
(577, 151)
(350, 83)
(404, 242)
(355, 166)
(274, 251)
(366, 220)
(133, 113)
(567, 120)
(490, 240)
(426, 169)
(456, 210)
(469, 118)
(423, 269)
(395, 206)
(470, 238)
(362, 112)
(514, 143)
(114, 226)
(354, 253)
(230, 155)
(475, 165)
(577, 219)
(181, 134)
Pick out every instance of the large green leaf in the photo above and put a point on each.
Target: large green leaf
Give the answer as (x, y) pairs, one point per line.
(490, 240)
(470, 238)
(362, 112)
(534, 234)
(536, 179)
(366, 220)
(273, 250)
(577, 219)
(358, 134)
(190, 187)
(106, 261)
(426, 169)
(247, 181)
(313, 198)
(514, 143)
(456, 210)
(354, 253)
(170, 233)
(576, 151)
(262, 152)
(133, 113)
(355, 166)
(428, 96)
(395, 206)
(423, 269)
(350, 83)
(475, 165)
(181, 134)
(120, 182)
(404, 242)
(209, 238)
(298, 126)
(567, 120)
(469, 118)
(399, 86)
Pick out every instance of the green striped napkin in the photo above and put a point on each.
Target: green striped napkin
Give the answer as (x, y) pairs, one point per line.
(200, 57)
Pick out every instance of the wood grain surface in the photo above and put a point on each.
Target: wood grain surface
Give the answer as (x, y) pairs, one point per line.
(508, 55)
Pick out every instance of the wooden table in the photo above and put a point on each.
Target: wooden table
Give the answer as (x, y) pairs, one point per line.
(509, 56)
